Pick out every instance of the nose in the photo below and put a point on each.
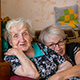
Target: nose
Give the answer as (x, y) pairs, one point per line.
(22, 38)
(57, 47)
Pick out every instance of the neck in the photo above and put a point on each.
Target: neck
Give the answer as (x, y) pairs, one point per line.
(30, 52)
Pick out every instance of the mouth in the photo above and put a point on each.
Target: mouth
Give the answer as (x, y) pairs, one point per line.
(22, 45)
(59, 53)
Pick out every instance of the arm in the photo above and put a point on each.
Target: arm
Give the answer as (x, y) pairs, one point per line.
(65, 65)
(68, 73)
(26, 68)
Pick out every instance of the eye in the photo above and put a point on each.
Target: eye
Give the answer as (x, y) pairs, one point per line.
(24, 34)
(60, 41)
(15, 36)
(51, 44)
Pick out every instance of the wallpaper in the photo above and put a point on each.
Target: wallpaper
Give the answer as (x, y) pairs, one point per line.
(40, 12)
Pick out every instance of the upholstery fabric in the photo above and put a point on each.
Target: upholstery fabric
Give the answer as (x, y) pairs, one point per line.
(5, 44)
(20, 78)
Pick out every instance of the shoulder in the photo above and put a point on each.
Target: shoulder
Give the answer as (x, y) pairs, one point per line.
(72, 48)
(72, 45)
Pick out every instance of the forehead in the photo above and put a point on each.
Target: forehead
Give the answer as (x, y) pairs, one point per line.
(55, 40)
(18, 28)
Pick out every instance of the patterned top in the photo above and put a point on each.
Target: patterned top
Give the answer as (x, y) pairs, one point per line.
(46, 64)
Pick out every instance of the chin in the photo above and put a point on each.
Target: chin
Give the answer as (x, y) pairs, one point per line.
(23, 49)
(62, 55)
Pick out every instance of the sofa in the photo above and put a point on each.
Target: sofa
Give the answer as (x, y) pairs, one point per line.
(73, 35)
(16, 77)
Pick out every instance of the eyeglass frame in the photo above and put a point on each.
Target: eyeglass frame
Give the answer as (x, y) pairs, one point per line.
(58, 43)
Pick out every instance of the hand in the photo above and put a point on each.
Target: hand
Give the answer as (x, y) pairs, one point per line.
(56, 77)
(65, 65)
(13, 51)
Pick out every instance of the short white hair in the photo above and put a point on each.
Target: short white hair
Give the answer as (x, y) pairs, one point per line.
(53, 32)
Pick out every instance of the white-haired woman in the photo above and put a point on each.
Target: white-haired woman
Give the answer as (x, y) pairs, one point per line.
(55, 38)
(19, 34)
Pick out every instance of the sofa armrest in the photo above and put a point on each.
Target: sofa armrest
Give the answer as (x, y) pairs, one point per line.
(16, 77)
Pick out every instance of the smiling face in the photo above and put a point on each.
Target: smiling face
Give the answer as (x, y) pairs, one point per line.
(20, 37)
(59, 48)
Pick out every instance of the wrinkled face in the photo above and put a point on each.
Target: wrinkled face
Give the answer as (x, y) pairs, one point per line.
(20, 38)
(58, 45)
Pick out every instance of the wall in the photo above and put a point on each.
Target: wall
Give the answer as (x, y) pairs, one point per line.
(40, 12)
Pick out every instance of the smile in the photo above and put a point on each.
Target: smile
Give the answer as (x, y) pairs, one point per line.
(22, 44)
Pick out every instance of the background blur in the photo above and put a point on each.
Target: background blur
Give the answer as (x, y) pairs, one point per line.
(40, 12)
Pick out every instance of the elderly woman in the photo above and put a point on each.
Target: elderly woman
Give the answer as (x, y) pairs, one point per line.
(23, 54)
(54, 38)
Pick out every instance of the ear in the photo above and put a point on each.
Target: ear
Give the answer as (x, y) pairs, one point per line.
(31, 39)
(10, 43)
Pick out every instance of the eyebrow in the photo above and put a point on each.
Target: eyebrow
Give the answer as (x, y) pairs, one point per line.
(55, 43)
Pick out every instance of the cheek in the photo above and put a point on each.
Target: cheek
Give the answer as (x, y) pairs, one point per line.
(52, 48)
(64, 49)
(28, 39)
(14, 42)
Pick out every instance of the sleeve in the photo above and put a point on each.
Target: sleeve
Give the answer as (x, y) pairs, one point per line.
(76, 48)
(15, 62)
(58, 59)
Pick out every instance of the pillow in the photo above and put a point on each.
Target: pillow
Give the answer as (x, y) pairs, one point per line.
(66, 17)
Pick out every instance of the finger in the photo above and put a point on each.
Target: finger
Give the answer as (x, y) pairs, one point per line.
(5, 53)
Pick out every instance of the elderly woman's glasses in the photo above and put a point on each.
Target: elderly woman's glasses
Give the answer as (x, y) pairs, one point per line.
(60, 43)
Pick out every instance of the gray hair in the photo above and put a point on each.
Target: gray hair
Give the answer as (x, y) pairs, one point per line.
(13, 22)
(52, 32)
